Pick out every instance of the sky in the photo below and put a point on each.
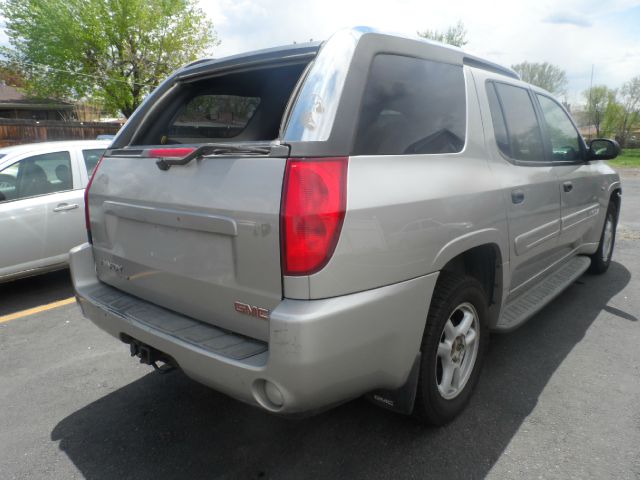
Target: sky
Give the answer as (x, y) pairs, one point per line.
(573, 34)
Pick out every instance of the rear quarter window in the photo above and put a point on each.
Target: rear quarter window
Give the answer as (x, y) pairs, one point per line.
(411, 106)
(515, 123)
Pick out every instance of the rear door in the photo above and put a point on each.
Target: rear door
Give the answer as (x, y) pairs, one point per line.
(529, 181)
(203, 238)
(40, 214)
(578, 180)
(65, 214)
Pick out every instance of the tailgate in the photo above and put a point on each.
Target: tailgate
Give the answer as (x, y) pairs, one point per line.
(200, 239)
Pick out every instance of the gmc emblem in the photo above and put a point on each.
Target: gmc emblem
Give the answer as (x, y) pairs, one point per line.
(252, 311)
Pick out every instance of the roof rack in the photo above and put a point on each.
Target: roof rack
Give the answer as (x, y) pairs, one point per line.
(476, 62)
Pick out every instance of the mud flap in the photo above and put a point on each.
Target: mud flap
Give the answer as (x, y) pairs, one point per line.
(402, 399)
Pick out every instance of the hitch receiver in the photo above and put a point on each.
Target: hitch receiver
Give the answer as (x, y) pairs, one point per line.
(150, 356)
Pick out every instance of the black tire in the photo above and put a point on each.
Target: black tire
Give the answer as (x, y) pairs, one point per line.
(452, 291)
(601, 260)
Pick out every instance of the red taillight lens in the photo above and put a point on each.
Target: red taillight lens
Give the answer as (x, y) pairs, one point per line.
(313, 205)
(87, 218)
(178, 152)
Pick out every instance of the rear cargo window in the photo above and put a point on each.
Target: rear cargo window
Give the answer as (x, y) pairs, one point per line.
(412, 106)
(213, 116)
(235, 107)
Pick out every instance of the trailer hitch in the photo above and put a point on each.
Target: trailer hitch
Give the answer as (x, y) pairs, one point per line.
(150, 356)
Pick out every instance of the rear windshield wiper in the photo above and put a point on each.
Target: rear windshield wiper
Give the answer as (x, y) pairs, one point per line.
(210, 150)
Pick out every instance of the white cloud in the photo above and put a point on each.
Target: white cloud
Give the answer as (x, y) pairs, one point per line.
(568, 19)
(507, 32)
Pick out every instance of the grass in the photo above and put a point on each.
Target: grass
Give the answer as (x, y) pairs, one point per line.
(630, 157)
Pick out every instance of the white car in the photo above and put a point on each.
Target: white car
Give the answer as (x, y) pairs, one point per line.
(42, 204)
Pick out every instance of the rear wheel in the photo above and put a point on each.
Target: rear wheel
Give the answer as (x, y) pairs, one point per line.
(453, 347)
(601, 260)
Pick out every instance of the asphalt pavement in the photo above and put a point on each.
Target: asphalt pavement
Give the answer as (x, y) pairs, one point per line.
(558, 398)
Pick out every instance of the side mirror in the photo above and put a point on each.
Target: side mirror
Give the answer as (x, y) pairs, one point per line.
(602, 149)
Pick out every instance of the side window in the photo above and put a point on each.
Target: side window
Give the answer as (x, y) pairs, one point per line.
(37, 175)
(91, 159)
(565, 143)
(411, 106)
(512, 107)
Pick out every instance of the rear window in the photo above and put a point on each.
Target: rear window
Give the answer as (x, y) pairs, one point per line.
(236, 107)
(213, 116)
(412, 106)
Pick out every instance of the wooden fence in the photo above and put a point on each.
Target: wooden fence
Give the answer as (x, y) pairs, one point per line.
(13, 132)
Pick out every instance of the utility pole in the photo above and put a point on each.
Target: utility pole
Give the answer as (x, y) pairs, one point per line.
(591, 120)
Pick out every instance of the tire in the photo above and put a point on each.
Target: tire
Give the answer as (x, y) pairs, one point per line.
(601, 260)
(455, 299)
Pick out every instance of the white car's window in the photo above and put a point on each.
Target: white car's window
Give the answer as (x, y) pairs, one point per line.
(564, 137)
(91, 159)
(37, 175)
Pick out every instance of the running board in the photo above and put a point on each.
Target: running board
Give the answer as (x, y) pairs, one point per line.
(524, 306)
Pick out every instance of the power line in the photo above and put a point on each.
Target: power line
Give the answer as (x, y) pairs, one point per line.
(49, 68)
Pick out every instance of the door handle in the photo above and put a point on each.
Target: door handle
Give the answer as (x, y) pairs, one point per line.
(567, 186)
(517, 196)
(63, 207)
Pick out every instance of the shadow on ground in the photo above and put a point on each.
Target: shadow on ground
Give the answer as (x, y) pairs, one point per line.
(32, 292)
(166, 426)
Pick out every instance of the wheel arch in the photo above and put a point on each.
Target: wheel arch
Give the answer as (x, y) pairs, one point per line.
(484, 262)
(616, 197)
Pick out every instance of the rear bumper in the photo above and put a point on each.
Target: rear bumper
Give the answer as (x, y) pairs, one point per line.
(320, 352)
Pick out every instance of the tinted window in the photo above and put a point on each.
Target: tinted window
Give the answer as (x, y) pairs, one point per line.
(411, 106)
(515, 109)
(499, 127)
(37, 175)
(565, 143)
(91, 159)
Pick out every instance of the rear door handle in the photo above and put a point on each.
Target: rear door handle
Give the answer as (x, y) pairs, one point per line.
(63, 207)
(567, 186)
(517, 196)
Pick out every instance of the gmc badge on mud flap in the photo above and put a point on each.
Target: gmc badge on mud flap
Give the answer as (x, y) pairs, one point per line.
(250, 310)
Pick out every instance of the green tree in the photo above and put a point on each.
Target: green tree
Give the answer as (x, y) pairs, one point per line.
(454, 35)
(545, 75)
(116, 51)
(629, 109)
(600, 100)
(612, 118)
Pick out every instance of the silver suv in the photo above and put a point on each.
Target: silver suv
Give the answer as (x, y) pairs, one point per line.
(299, 226)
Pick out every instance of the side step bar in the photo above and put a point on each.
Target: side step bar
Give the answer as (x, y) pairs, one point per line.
(523, 307)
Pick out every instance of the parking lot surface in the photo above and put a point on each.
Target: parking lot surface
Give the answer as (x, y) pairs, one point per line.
(558, 398)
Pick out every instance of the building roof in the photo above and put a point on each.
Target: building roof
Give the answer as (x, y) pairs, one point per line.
(11, 97)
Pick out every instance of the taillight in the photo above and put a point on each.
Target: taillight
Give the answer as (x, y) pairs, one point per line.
(87, 218)
(313, 206)
(169, 152)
